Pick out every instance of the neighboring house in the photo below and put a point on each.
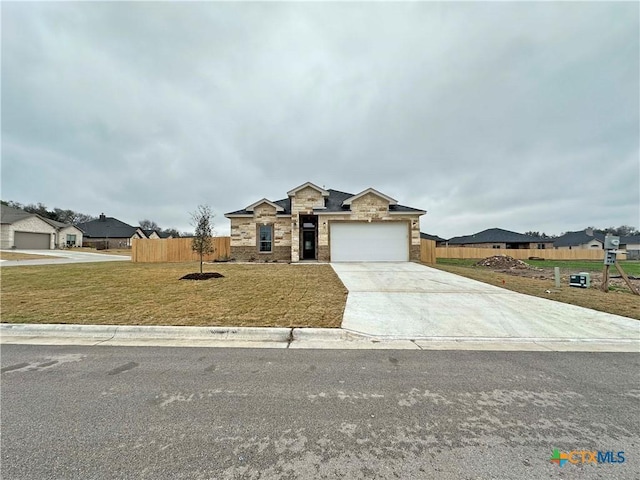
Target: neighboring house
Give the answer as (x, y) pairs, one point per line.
(326, 225)
(499, 238)
(584, 239)
(24, 230)
(109, 232)
(439, 240)
(151, 234)
(631, 244)
(67, 236)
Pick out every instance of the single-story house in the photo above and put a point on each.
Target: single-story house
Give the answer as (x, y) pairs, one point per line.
(315, 223)
(631, 244)
(584, 239)
(67, 235)
(500, 238)
(151, 234)
(109, 232)
(24, 230)
(439, 240)
(155, 234)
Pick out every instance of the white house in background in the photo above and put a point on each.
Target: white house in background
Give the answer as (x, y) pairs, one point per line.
(30, 231)
(584, 239)
(631, 244)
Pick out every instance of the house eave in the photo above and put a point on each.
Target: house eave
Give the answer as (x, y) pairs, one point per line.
(292, 192)
(392, 201)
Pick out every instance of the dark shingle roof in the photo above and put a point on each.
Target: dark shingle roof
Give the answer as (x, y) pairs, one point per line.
(435, 238)
(333, 203)
(633, 239)
(10, 215)
(572, 239)
(106, 227)
(495, 235)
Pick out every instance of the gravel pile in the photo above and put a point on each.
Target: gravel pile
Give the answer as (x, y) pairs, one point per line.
(503, 262)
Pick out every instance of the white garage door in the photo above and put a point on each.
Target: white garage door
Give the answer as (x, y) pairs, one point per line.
(369, 242)
(30, 240)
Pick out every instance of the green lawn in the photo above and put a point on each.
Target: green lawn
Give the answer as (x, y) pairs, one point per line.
(125, 293)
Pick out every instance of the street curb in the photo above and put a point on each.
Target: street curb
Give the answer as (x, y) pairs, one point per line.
(326, 335)
(116, 332)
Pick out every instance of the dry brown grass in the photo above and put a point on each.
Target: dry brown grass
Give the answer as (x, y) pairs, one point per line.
(22, 256)
(619, 302)
(120, 293)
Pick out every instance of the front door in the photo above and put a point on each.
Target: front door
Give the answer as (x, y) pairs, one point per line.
(308, 244)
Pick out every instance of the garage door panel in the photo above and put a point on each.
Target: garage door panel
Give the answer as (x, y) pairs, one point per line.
(369, 242)
(32, 241)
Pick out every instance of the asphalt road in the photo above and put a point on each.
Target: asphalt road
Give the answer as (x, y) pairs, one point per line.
(198, 413)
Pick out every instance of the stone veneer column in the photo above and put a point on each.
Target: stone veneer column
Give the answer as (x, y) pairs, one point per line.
(295, 237)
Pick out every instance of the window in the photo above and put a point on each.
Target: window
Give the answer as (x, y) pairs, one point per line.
(265, 235)
(71, 240)
(541, 246)
(496, 246)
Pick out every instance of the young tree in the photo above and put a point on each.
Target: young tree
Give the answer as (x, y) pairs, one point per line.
(202, 220)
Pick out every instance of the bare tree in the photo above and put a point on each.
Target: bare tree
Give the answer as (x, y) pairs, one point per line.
(149, 225)
(202, 220)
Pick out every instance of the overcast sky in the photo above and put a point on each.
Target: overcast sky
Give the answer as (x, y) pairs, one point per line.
(518, 116)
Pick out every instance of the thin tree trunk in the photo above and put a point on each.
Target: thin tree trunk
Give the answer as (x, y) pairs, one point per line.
(201, 263)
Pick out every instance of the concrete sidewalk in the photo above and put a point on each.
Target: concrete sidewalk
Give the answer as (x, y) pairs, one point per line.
(310, 338)
(408, 300)
(60, 257)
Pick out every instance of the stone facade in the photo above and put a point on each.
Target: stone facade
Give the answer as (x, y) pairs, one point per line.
(251, 254)
(286, 230)
(304, 201)
(244, 235)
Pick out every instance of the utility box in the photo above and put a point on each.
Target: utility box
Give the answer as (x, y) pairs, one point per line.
(611, 242)
(581, 280)
(610, 257)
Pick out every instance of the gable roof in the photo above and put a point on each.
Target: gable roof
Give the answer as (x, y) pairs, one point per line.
(9, 215)
(392, 201)
(435, 238)
(324, 192)
(278, 207)
(333, 203)
(106, 227)
(572, 239)
(496, 235)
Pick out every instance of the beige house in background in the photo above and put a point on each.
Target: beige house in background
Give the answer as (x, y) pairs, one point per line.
(314, 223)
(29, 231)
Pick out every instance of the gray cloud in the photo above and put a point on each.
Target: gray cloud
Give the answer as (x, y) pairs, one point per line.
(520, 116)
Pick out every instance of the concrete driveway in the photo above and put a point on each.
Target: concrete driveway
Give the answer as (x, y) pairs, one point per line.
(408, 300)
(61, 257)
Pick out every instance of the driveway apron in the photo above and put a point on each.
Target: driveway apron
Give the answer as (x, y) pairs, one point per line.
(409, 300)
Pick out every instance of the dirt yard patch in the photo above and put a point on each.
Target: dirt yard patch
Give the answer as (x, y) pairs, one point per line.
(22, 256)
(537, 278)
(123, 293)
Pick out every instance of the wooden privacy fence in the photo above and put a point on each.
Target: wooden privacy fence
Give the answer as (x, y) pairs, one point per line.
(175, 250)
(427, 251)
(520, 254)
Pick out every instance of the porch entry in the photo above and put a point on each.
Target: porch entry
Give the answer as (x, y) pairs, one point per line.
(309, 237)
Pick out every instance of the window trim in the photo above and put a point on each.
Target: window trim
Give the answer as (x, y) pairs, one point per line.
(259, 241)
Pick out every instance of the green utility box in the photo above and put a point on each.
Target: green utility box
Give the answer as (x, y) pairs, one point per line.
(581, 280)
